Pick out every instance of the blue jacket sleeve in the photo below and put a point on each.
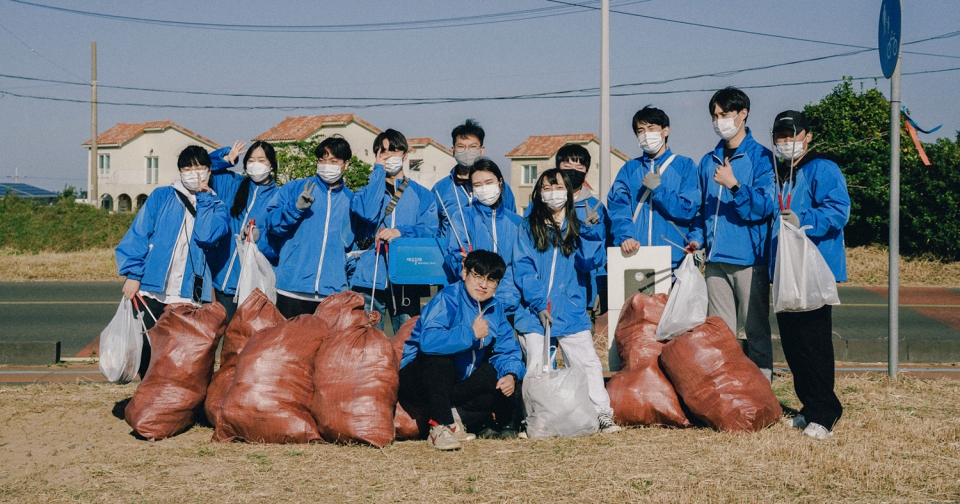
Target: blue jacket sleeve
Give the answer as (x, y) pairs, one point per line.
(509, 201)
(367, 203)
(698, 223)
(427, 224)
(831, 203)
(452, 257)
(439, 335)
(507, 357)
(218, 162)
(754, 202)
(600, 230)
(283, 216)
(212, 222)
(132, 250)
(680, 203)
(525, 275)
(591, 254)
(620, 205)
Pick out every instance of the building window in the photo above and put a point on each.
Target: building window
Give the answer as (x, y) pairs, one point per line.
(529, 174)
(106, 202)
(416, 164)
(104, 164)
(153, 170)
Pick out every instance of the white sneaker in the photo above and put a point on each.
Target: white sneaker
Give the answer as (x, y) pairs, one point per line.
(798, 422)
(607, 425)
(817, 431)
(442, 439)
(460, 432)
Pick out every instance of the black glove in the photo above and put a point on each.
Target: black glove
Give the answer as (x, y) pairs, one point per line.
(306, 197)
(545, 319)
(790, 217)
(651, 181)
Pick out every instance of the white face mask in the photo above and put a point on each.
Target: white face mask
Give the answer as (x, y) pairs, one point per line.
(555, 200)
(790, 150)
(651, 141)
(191, 179)
(726, 128)
(393, 165)
(330, 173)
(487, 194)
(258, 172)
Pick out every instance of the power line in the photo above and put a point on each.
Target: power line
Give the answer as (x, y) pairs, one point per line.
(34, 51)
(452, 22)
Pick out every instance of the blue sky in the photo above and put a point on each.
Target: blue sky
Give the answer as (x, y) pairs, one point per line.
(556, 49)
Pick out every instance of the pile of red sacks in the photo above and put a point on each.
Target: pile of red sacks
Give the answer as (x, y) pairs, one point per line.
(704, 370)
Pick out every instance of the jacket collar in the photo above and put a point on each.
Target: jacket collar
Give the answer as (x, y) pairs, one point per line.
(468, 301)
(740, 150)
(325, 186)
(645, 159)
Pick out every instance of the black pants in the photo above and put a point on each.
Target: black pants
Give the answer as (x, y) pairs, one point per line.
(807, 339)
(156, 309)
(431, 381)
(227, 301)
(291, 307)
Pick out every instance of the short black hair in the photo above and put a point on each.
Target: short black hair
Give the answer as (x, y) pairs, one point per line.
(486, 164)
(574, 153)
(485, 263)
(650, 115)
(193, 155)
(729, 99)
(470, 127)
(337, 146)
(398, 142)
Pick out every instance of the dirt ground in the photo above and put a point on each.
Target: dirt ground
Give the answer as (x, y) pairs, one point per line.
(898, 441)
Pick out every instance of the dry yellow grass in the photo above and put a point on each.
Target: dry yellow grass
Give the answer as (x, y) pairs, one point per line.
(898, 442)
(868, 266)
(89, 265)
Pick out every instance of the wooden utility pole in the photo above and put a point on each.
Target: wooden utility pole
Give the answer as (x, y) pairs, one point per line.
(93, 195)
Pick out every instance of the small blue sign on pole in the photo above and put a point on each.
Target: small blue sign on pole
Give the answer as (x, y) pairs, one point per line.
(888, 37)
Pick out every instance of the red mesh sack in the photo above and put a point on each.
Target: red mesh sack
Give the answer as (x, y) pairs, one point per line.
(640, 393)
(356, 378)
(408, 424)
(255, 314)
(717, 382)
(269, 401)
(183, 350)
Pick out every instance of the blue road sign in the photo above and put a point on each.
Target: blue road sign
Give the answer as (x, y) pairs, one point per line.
(888, 36)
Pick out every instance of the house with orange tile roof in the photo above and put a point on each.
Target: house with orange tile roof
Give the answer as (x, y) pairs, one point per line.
(539, 153)
(427, 161)
(136, 158)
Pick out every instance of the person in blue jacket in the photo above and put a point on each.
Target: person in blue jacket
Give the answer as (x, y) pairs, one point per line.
(655, 196)
(164, 253)
(815, 199)
(492, 227)
(552, 261)
(462, 354)
(248, 197)
(733, 224)
(574, 160)
(308, 220)
(388, 207)
(454, 193)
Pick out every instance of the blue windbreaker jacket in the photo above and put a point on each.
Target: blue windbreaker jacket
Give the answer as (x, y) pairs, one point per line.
(735, 229)
(493, 229)
(820, 200)
(224, 259)
(674, 202)
(571, 277)
(458, 198)
(313, 244)
(146, 251)
(446, 328)
(415, 216)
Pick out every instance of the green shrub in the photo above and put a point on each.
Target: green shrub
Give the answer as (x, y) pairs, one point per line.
(65, 226)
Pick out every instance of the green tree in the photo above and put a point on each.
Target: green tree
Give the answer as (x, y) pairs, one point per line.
(298, 160)
(854, 128)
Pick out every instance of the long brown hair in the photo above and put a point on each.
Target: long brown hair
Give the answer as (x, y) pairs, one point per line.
(545, 230)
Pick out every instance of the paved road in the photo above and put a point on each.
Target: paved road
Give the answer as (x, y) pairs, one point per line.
(75, 312)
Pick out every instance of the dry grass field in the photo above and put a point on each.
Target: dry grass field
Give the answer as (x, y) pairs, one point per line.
(897, 442)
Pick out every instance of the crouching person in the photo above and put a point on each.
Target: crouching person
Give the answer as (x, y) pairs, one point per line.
(462, 356)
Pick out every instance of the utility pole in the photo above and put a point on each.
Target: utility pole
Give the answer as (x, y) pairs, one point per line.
(92, 182)
(893, 293)
(605, 172)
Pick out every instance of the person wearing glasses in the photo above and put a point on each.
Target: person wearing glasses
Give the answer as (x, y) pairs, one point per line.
(455, 192)
(462, 355)
(164, 253)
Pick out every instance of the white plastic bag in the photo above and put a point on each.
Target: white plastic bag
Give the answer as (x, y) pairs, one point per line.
(802, 279)
(256, 272)
(687, 305)
(558, 401)
(121, 343)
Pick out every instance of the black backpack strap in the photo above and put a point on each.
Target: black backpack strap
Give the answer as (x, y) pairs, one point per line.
(186, 203)
(396, 197)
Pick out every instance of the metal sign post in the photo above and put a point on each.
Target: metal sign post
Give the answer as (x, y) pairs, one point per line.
(888, 39)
